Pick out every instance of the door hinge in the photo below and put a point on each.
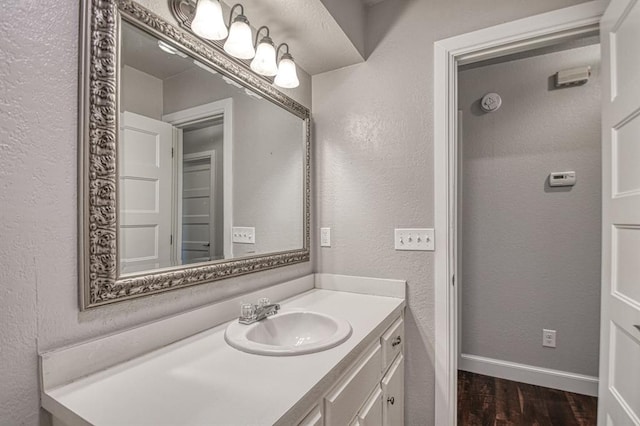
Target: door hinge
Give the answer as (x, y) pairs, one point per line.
(453, 280)
(171, 240)
(171, 152)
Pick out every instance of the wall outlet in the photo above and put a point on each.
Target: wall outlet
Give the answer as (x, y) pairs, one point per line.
(421, 239)
(243, 235)
(325, 237)
(549, 338)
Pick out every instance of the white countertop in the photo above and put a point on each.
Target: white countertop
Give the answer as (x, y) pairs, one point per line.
(202, 380)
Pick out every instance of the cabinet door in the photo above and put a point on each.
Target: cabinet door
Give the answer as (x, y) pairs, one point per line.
(371, 413)
(393, 394)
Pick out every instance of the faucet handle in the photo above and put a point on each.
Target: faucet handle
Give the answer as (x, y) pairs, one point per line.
(264, 301)
(247, 310)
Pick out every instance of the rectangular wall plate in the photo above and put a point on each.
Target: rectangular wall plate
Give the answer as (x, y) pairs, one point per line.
(414, 239)
(243, 235)
(325, 237)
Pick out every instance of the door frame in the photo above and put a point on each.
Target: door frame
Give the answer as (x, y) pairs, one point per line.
(516, 36)
(184, 118)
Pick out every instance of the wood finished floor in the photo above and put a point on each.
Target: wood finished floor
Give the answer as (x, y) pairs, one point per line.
(484, 400)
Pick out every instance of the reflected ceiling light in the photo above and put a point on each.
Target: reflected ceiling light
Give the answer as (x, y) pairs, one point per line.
(239, 43)
(287, 76)
(265, 60)
(167, 48)
(204, 67)
(208, 22)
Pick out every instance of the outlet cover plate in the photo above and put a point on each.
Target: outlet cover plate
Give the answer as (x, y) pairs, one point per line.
(548, 338)
(417, 239)
(243, 235)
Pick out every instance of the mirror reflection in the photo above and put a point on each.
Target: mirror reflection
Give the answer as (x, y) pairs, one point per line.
(208, 169)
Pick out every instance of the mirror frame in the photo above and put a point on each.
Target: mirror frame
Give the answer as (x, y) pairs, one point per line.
(98, 120)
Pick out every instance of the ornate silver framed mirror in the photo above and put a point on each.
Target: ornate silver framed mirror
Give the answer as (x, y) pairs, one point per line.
(192, 168)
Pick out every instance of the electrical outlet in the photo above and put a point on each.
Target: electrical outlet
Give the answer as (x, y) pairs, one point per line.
(420, 239)
(325, 237)
(243, 235)
(549, 338)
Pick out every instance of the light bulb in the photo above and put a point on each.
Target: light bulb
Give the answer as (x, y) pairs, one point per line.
(287, 76)
(239, 43)
(208, 22)
(265, 60)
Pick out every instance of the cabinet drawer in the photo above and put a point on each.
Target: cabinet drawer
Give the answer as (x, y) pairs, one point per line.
(392, 342)
(371, 413)
(314, 418)
(344, 401)
(393, 394)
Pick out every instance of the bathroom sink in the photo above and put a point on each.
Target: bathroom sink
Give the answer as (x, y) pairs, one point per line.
(290, 332)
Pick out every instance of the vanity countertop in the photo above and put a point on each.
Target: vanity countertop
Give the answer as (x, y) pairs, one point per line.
(202, 380)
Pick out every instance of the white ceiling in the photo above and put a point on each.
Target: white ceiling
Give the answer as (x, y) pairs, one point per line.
(140, 50)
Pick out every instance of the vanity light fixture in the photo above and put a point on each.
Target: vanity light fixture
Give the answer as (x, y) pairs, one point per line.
(208, 21)
(239, 43)
(287, 76)
(265, 60)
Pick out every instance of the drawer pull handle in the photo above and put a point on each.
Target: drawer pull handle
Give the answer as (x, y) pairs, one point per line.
(396, 341)
(391, 400)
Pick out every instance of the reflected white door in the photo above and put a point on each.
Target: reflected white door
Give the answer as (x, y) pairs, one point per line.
(145, 193)
(619, 392)
(198, 187)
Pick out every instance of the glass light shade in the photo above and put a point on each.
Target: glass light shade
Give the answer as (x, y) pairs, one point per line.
(265, 60)
(239, 43)
(209, 22)
(287, 76)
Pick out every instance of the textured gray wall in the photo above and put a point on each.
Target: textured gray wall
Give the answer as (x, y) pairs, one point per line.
(530, 254)
(141, 93)
(38, 209)
(374, 158)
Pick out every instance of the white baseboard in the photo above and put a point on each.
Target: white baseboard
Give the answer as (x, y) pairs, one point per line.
(555, 379)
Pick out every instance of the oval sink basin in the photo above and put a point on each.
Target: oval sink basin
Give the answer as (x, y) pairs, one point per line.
(289, 333)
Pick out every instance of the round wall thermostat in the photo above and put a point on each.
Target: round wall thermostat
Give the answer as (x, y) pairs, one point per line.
(490, 102)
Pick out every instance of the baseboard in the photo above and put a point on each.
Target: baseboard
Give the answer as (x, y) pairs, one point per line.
(555, 379)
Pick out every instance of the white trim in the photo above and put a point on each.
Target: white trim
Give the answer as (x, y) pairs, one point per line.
(520, 35)
(539, 376)
(363, 285)
(188, 116)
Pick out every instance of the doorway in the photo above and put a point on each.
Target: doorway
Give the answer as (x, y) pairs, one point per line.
(619, 23)
(518, 36)
(529, 244)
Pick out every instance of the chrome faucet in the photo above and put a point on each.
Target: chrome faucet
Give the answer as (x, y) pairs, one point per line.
(250, 313)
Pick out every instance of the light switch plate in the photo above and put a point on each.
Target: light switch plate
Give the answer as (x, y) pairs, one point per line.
(418, 239)
(243, 235)
(325, 237)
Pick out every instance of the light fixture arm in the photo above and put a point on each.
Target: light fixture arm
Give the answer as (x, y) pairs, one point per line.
(278, 50)
(258, 33)
(239, 14)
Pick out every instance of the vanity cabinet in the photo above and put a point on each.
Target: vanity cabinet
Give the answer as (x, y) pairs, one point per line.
(371, 392)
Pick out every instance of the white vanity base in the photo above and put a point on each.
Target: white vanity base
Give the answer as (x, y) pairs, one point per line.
(147, 375)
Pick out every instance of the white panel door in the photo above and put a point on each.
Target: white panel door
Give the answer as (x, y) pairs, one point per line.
(619, 392)
(145, 193)
(198, 200)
